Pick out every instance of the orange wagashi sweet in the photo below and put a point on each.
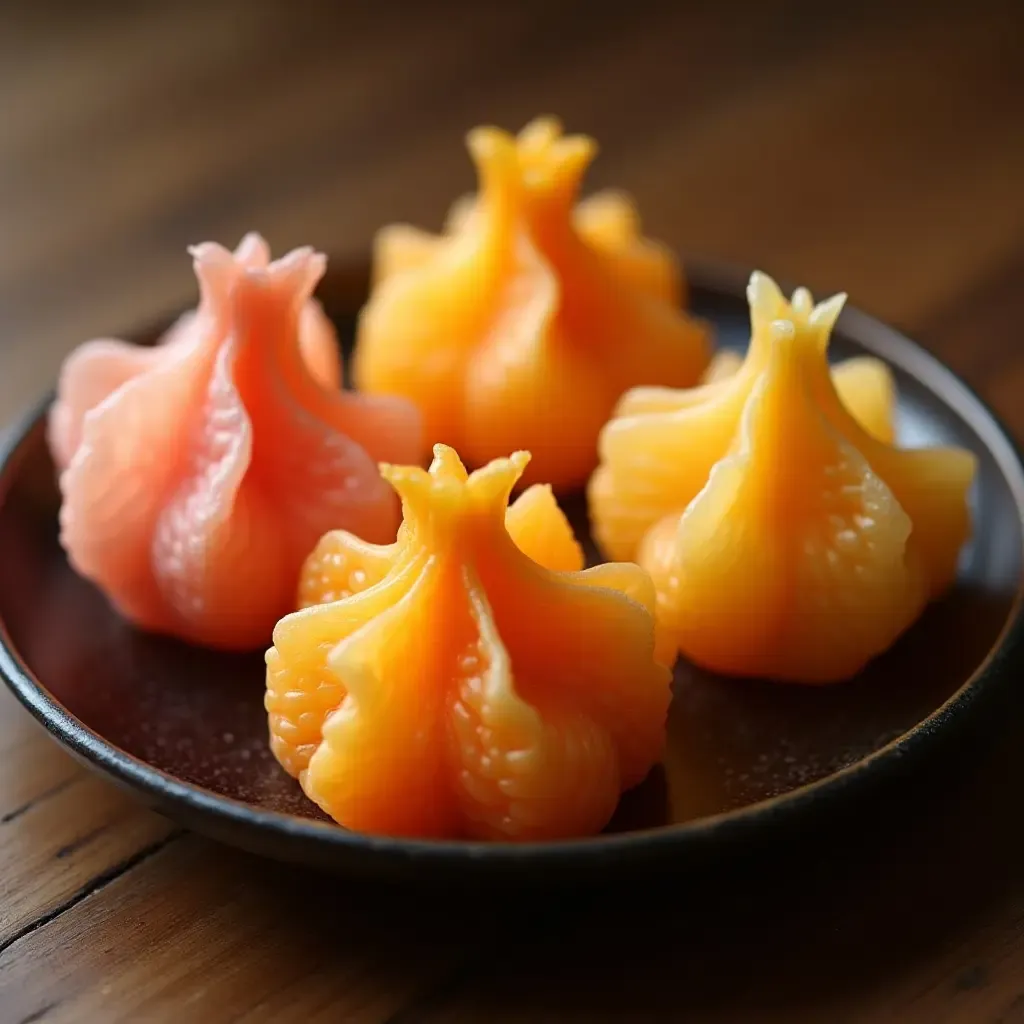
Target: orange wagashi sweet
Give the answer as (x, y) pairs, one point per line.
(811, 546)
(658, 449)
(201, 482)
(98, 368)
(458, 687)
(523, 323)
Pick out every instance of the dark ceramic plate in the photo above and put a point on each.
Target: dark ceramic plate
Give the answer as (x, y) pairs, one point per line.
(186, 727)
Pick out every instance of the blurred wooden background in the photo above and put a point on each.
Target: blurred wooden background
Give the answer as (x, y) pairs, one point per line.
(872, 147)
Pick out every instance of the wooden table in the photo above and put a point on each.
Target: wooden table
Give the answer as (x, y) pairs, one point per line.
(872, 150)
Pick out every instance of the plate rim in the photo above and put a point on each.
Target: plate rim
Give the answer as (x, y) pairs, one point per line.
(653, 842)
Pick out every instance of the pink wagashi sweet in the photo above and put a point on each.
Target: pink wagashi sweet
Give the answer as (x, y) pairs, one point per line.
(98, 368)
(204, 476)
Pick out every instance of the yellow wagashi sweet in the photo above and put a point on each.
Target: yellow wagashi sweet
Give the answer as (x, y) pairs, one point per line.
(784, 540)
(658, 449)
(522, 325)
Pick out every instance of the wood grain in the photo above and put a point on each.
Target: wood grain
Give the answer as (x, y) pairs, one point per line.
(60, 827)
(245, 938)
(865, 148)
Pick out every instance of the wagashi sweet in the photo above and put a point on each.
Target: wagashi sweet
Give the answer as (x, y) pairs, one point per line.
(807, 546)
(201, 482)
(657, 450)
(525, 321)
(459, 688)
(96, 369)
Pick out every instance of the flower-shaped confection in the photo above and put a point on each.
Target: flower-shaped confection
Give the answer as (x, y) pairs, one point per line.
(201, 481)
(523, 324)
(457, 687)
(811, 545)
(658, 449)
(98, 368)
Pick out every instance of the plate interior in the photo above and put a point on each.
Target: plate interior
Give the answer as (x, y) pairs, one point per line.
(198, 716)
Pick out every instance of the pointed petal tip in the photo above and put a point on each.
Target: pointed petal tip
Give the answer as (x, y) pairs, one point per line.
(253, 249)
(209, 252)
(297, 257)
(802, 302)
(299, 270)
(544, 128)
(497, 478)
(487, 140)
(215, 268)
(763, 295)
(399, 476)
(561, 168)
(547, 133)
(447, 463)
(577, 151)
(520, 460)
(826, 313)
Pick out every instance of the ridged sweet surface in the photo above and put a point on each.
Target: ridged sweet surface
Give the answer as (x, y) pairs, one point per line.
(96, 370)
(864, 384)
(785, 537)
(472, 690)
(507, 330)
(658, 449)
(793, 562)
(200, 473)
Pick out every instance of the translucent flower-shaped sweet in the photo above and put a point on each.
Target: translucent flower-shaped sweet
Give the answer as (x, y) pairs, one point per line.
(458, 687)
(657, 451)
(201, 482)
(811, 545)
(98, 368)
(525, 322)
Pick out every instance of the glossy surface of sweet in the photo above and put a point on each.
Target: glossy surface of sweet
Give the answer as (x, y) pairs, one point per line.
(525, 321)
(807, 545)
(200, 480)
(658, 449)
(864, 384)
(457, 687)
(96, 369)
